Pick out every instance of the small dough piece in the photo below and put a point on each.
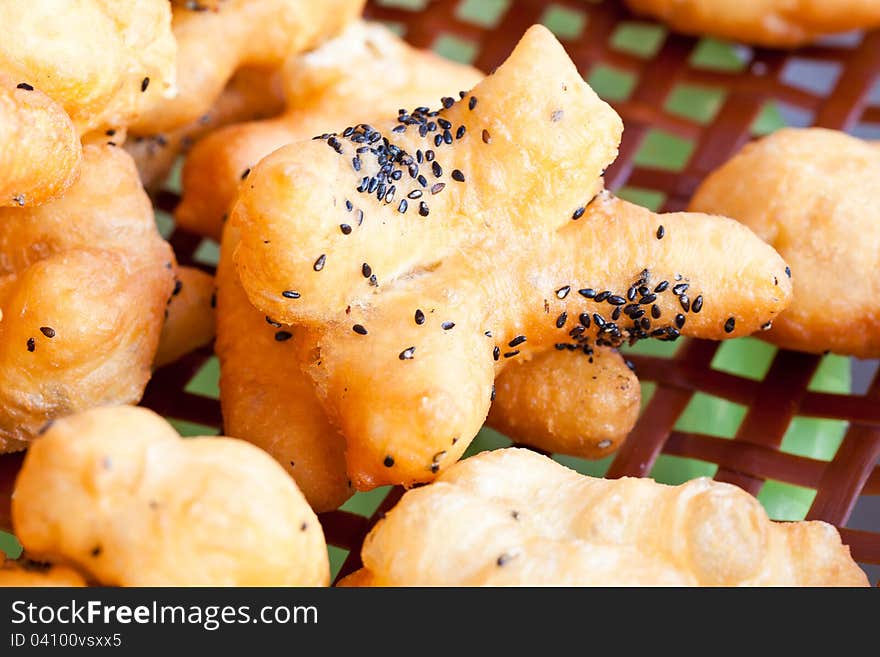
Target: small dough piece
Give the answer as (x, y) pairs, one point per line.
(116, 492)
(323, 91)
(84, 281)
(773, 23)
(252, 94)
(514, 518)
(568, 402)
(213, 45)
(39, 146)
(189, 321)
(104, 61)
(24, 572)
(814, 195)
(453, 285)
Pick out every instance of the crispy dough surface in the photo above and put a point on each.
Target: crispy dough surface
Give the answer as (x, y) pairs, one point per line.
(91, 56)
(512, 517)
(189, 320)
(212, 45)
(500, 256)
(567, 402)
(323, 91)
(40, 151)
(23, 572)
(119, 495)
(84, 281)
(774, 23)
(814, 195)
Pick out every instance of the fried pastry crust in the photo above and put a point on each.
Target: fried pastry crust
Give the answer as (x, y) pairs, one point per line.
(814, 195)
(118, 494)
(567, 402)
(773, 23)
(212, 45)
(323, 91)
(189, 320)
(24, 572)
(104, 61)
(507, 259)
(83, 285)
(252, 93)
(39, 146)
(514, 518)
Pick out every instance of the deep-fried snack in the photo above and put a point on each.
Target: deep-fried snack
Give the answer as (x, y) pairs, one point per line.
(118, 494)
(104, 61)
(189, 320)
(252, 93)
(773, 23)
(265, 397)
(323, 91)
(512, 517)
(24, 572)
(83, 285)
(814, 195)
(567, 402)
(427, 296)
(212, 45)
(39, 146)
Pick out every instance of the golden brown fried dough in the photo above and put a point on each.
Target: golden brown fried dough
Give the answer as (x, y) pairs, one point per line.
(116, 492)
(323, 90)
(514, 518)
(39, 147)
(252, 93)
(266, 398)
(104, 61)
(814, 195)
(189, 322)
(212, 45)
(568, 402)
(773, 23)
(24, 572)
(83, 285)
(449, 287)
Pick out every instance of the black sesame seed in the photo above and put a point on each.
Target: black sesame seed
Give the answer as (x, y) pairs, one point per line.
(447, 137)
(290, 294)
(662, 287)
(655, 311)
(503, 559)
(438, 140)
(443, 123)
(602, 296)
(388, 462)
(436, 169)
(562, 292)
(661, 231)
(356, 163)
(423, 209)
(436, 188)
(144, 84)
(616, 300)
(697, 305)
(511, 354)
(680, 289)
(587, 293)
(429, 155)
(685, 302)
(615, 314)
(584, 319)
(47, 331)
(518, 340)
(407, 354)
(679, 320)
(648, 298)
(366, 270)
(560, 321)
(419, 317)
(345, 228)
(577, 214)
(457, 175)
(359, 329)
(359, 217)
(374, 281)
(32, 344)
(729, 325)
(414, 194)
(788, 271)
(25, 86)
(472, 103)
(272, 322)
(319, 263)
(460, 132)
(496, 353)
(422, 181)
(599, 320)
(447, 325)
(283, 336)
(492, 394)
(402, 206)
